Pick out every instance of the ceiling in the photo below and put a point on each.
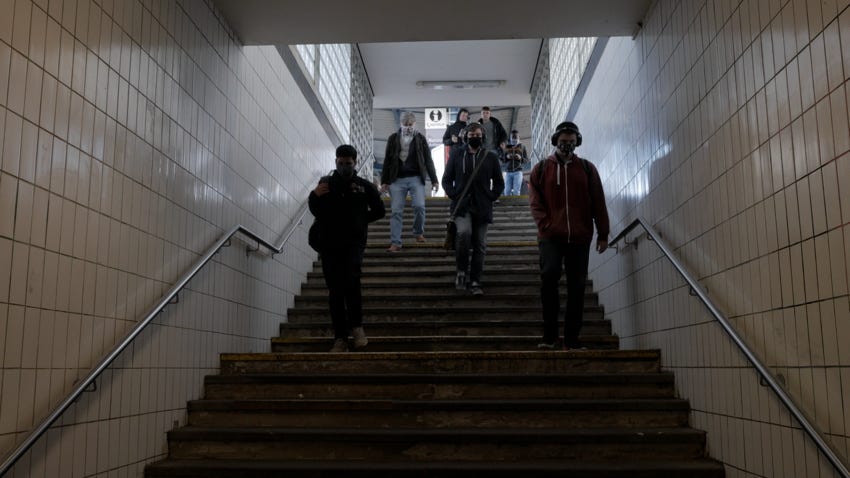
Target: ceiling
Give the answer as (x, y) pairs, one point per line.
(402, 43)
(394, 69)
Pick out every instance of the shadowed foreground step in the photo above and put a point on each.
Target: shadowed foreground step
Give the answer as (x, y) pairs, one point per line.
(461, 444)
(539, 413)
(437, 343)
(441, 386)
(440, 469)
(444, 362)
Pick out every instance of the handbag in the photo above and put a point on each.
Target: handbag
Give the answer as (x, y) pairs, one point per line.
(451, 227)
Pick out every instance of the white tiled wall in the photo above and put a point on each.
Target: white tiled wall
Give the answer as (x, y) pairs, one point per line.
(725, 124)
(132, 134)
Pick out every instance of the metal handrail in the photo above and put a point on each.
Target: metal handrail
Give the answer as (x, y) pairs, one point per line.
(107, 360)
(811, 429)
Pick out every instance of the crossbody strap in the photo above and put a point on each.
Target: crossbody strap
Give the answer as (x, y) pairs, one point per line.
(468, 181)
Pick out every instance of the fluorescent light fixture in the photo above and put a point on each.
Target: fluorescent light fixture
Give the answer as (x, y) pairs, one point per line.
(459, 84)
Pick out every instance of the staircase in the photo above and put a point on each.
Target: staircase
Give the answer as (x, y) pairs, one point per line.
(450, 384)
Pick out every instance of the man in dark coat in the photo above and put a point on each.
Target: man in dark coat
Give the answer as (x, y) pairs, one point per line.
(344, 205)
(473, 211)
(452, 136)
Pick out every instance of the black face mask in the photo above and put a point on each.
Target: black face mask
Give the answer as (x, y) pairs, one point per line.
(345, 171)
(474, 143)
(566, 148)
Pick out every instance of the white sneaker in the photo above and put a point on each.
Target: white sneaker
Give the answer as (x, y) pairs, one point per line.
(340, 345)
(360, 339)
(460, 281)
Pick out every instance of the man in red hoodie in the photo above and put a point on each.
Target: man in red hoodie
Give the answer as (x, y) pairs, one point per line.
(566, 200)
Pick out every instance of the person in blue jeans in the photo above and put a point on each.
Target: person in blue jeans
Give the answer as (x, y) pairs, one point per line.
(514, 159)
(407, 165)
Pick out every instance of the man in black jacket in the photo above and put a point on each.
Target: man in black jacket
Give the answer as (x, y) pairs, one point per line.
(452, 136)
(344, 205)
(473, 211)
(495, 135)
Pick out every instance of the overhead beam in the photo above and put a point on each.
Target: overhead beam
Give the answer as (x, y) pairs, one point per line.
(275, 22)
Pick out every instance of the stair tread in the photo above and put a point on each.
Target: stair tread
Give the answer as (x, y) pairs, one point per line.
(582, 377)
(466, 435)
(651, 354)
(636, 404)
(441, 338)
(576, 465)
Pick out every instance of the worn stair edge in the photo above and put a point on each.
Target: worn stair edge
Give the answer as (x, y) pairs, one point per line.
(600, 444)
(646, 354)
(702, 468)
(441, 386)
(438, 342)
(519, 405)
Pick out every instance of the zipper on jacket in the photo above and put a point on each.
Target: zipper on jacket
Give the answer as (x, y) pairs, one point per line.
(567, 200)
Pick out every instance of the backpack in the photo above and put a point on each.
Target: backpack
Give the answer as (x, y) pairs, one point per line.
(314, 236)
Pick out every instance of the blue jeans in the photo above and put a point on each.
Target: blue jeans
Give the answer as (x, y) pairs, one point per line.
(513, 183)
(398, 192)
(471, 234)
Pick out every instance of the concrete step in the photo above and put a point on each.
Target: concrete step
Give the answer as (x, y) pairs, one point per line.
(475, 328)
(391, 267)
(461, 444)
(376, 273)
(461, 311)
(702, 468)
(453, 299)
(439, 386)
(436, 343)
(445, 259)
(435, 285)
(419, 253)
(555, 413)
(444, 362)
(497, 236)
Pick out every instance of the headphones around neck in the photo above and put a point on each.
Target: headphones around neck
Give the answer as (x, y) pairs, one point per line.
(566, 127)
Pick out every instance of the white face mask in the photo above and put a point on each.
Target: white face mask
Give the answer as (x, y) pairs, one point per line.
(407, 130)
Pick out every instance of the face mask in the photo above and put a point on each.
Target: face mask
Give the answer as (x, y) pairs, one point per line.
(474, 143)
(566, 148)
(345, 170)
(407, 130)
(513, 141)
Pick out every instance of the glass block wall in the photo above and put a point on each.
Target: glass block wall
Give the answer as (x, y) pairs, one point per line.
(361, 115)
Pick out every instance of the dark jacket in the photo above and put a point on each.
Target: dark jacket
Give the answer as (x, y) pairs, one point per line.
(563, 204)
(501, 134)
(344, 213)
(454, 129)
(392, 159)
(481, 194)
(514, 157)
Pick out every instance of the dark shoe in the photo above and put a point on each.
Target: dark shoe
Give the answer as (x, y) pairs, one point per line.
(420, 238)
(394, 248)
(475, 288)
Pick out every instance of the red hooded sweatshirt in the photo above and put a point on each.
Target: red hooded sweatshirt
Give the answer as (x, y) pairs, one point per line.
(561, 201)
